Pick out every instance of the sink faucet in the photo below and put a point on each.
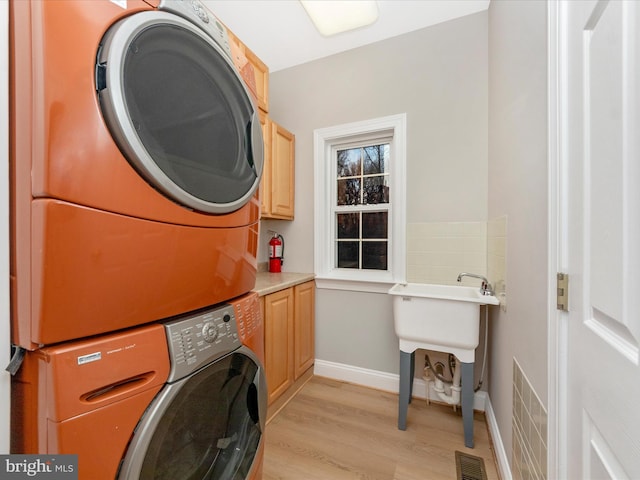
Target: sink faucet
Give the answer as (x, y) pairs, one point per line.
(485, 287)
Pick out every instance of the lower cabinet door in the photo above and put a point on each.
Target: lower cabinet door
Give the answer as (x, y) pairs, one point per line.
(304, 328)
(279, 338)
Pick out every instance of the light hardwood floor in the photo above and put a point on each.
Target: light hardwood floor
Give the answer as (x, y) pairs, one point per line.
(333, 430)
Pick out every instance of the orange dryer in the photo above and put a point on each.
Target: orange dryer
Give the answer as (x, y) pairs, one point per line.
(136, 153)
(182, 399)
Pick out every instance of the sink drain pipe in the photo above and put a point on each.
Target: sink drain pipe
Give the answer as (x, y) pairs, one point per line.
(454, 397)
(435, 377)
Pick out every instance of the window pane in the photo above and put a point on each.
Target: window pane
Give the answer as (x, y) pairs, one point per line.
(348, 225)
(376, 159)
(374, 255)
(362, 179)
(348, 255)
(376, 190)
(374, 225)
(349, 162)
(348, 191)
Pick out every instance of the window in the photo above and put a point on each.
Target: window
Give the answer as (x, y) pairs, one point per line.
(360, 204)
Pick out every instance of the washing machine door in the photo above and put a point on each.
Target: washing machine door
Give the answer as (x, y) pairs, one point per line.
(206, 426)
(179, 111)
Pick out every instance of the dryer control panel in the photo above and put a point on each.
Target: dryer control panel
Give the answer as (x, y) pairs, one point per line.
(200, 338)
(197, 13)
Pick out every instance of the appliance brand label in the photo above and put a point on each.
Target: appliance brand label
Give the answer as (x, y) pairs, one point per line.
(51, 467)
(91, 357)
(121, 349)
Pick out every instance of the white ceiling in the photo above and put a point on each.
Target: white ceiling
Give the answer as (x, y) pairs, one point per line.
(282, 35)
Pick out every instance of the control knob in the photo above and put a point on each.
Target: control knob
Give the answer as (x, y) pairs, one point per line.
(209, 332)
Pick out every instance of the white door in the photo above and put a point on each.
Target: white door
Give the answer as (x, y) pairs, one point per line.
(600, 239)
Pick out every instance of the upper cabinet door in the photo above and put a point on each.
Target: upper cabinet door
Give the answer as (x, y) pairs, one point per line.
(281, 186)
(260, 72)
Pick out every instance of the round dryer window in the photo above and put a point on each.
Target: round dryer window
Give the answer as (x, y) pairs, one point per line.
(179, 111)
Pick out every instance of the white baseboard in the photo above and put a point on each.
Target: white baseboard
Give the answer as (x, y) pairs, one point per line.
(501, 454)
(388, 382)
(360, 376)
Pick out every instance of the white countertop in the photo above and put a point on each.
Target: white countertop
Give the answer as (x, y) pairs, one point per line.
(267, 282)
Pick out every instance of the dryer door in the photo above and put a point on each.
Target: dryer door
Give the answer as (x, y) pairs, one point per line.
(179, 111)
(208, 425)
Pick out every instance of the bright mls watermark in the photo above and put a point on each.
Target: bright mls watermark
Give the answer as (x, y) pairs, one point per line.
(51, 467)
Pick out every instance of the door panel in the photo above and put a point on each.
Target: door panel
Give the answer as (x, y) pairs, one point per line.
(607, 158)
(602, 461)
(601, 239)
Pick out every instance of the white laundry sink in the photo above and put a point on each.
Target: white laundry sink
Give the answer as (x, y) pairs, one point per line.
(443, 318)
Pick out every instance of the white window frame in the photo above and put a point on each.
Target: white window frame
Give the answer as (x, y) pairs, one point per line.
(325, 139)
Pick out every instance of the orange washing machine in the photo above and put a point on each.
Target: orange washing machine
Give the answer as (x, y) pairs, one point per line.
(136, 154)
(181, 399)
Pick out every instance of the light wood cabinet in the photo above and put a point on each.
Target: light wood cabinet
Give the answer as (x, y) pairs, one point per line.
(278, 339)
(277, 183)
(261, 73)
(277, 190)
(303, 328)
(289, 338)
(241, 55)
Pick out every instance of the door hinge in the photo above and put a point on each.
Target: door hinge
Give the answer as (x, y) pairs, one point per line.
(562, 291)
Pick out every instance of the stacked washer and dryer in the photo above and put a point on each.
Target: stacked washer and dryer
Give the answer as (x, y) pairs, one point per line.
(136, 153)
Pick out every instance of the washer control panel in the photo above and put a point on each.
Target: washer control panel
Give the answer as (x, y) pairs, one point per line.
(200, 338)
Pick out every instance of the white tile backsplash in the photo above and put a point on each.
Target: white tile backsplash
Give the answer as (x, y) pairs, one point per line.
(438, 251)
(529, 424)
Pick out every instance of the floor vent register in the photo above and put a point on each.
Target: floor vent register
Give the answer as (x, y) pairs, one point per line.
(470, 467)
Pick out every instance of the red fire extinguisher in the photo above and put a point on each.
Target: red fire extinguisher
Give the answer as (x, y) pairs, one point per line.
(276, 253)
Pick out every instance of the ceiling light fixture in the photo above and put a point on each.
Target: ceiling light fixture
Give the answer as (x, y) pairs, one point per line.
(336, 16)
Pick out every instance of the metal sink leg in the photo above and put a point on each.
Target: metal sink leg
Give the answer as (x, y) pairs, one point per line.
(467, 402)
(407, 372)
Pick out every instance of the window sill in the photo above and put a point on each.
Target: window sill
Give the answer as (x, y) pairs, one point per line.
(328, 283)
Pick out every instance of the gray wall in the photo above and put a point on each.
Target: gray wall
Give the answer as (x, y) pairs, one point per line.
(439, 77)
(475, 94)
(518, 188)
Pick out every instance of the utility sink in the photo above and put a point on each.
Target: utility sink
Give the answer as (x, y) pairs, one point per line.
(443, 318)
